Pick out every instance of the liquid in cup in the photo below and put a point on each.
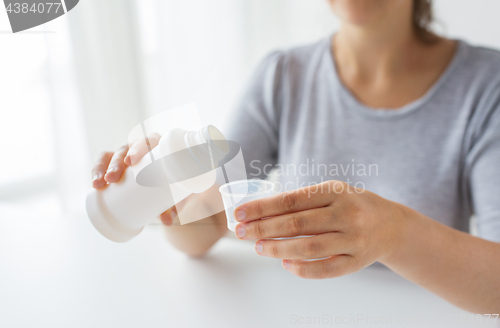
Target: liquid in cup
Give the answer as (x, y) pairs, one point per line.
(239, 192)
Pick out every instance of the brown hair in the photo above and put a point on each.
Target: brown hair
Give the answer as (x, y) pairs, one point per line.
(422, 19)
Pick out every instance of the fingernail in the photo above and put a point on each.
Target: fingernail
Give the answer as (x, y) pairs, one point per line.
(286, 264)
(240, 215)
(173, 214)
(131, 158)
(240, 232)
(258, 247)
(112, 169)
(96, 177)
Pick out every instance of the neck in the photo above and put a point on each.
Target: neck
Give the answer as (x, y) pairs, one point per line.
(382, 48)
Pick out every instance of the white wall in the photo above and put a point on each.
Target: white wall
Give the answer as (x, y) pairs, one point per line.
(474, 21)
(202, 51)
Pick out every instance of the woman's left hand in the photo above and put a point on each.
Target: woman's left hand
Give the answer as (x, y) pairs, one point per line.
(351, 228)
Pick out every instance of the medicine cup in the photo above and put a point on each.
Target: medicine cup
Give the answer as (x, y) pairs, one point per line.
(239, 192)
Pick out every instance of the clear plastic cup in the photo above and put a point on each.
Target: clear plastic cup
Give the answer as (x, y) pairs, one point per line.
(239, 192)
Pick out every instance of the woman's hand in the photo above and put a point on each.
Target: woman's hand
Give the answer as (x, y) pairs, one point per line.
(109, 167)
(351, 228)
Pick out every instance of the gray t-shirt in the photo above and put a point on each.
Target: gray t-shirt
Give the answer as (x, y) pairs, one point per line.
(439, 155)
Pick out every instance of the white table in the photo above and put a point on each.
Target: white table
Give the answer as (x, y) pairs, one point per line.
(57, 271)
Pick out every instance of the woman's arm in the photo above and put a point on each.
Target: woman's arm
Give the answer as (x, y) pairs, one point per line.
(352, 228)
(463, 269)
(195, 239)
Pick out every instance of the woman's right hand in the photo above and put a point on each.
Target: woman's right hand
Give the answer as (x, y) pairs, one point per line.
(109, 167)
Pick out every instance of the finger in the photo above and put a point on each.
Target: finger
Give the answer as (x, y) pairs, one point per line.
(332, 267)
(308, 222)
(116, 165)
(288, 202)
(168, 217)
(314, 247)
(99, 169)
(141, 148)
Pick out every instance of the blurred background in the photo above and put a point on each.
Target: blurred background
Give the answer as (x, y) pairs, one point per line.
(76, 86)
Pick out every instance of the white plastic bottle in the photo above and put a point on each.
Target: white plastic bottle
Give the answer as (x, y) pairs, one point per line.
(121, 210)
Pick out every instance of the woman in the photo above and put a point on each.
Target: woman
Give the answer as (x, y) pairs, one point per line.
(384, 93)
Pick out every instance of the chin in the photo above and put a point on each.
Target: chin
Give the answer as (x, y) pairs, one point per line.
(367, 12)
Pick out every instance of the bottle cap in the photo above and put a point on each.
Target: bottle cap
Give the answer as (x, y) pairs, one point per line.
(104, 222)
